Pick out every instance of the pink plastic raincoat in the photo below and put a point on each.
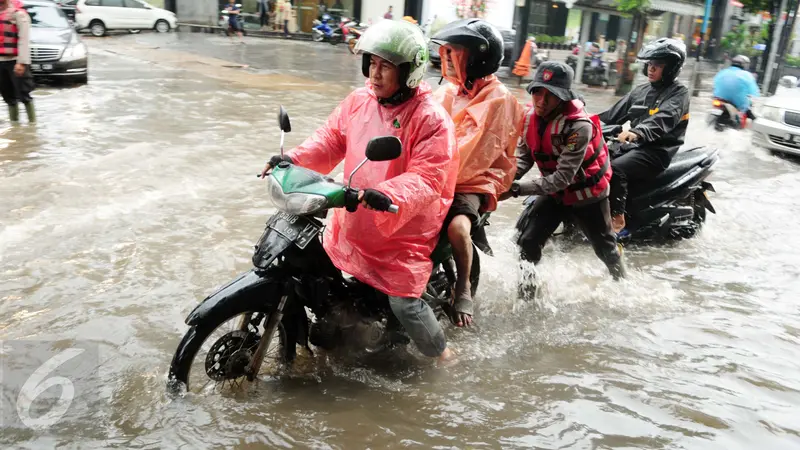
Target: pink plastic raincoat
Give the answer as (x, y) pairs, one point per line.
(389, 252)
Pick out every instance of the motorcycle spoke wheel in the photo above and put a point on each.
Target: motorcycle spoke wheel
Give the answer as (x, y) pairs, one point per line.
(220, 362)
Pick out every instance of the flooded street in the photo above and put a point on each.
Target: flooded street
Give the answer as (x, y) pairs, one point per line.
(135, 196)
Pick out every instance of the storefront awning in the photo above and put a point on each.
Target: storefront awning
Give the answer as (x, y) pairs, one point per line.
(680, 8)
(673, 6)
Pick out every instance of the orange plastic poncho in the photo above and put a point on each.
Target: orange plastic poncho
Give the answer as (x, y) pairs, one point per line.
(390, 252)
(488, 121)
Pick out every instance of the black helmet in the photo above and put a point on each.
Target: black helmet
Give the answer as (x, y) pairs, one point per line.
(741, 61)
(672, 51)
(482, 40)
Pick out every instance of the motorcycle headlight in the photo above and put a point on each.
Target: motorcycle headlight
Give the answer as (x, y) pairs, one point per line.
(296, 203)
(771, 113)
(73, 52)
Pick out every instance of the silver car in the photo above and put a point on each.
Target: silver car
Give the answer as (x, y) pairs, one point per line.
(777, 127)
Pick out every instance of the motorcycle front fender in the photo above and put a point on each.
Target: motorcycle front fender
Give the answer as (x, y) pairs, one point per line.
(248, 287)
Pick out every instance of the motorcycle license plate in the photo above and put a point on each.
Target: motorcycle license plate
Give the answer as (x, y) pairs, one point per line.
(716, 112)
(295, 228)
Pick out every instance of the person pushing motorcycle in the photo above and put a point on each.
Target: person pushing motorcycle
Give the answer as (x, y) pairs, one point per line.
(568, 147)
(488, 121)
(389, 252)
(658, 125)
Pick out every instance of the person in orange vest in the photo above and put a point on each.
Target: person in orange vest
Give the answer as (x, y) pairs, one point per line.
(16, 80)
(488, 121)
(568, 147)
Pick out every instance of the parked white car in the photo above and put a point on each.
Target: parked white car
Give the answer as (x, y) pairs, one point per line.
(98, 16)
(777, 124)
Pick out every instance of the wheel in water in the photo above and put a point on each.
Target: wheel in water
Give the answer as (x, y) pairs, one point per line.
(218, 353)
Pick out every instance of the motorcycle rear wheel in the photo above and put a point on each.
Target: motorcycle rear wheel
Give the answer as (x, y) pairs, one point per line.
(208, 340)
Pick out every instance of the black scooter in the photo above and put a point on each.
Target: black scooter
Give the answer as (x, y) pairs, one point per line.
(671, 206)
(724, 115)
(263, 315)
(594, 70)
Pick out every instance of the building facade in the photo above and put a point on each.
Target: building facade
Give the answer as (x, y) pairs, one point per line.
(498, 12)
(665, 18)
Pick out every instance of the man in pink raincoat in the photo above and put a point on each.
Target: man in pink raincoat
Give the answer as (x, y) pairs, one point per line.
(390, 252)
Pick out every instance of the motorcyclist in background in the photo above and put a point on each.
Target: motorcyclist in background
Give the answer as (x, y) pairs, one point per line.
(735, 85)
(389, 252)
(659, 115)
(488, 121)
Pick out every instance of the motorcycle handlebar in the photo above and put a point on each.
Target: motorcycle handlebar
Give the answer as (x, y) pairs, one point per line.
(351, 200)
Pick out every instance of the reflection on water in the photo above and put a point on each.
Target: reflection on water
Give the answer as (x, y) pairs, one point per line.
(135, 196)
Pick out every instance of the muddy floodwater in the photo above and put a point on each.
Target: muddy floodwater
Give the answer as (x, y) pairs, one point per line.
(135, 196)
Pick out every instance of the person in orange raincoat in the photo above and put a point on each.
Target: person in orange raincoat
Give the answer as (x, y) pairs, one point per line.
(390, 252)
(488, 121)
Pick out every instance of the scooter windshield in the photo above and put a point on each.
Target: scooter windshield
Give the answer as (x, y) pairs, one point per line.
(295, 179)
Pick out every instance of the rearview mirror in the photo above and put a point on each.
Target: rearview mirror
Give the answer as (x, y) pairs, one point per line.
(283, 120)
(384, 148)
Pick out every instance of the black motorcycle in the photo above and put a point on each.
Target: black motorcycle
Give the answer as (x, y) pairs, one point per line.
(262, 314)
(671, 206)
(724, 115)
(594, 70)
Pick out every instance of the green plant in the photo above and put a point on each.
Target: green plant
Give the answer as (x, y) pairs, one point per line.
(630, 6)
(792, 61)
(740, 41)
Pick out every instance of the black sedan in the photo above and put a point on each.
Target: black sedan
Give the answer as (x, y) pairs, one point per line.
(56, 49)
(508, 49)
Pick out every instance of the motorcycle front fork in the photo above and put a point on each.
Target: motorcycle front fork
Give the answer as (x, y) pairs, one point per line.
(266, 339)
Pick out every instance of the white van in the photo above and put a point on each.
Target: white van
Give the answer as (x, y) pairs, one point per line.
(101, 15)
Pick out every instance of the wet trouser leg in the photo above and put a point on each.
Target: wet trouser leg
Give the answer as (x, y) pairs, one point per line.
(595, 221)
(635, 167)
(420, 323)
(25, 86)
(545, 216)
(264, 18)
(8, 86)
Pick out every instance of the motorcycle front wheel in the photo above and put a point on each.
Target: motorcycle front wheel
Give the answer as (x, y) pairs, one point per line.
(215, 354)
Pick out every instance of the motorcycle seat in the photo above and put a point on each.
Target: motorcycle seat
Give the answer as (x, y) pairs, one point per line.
(682, 164)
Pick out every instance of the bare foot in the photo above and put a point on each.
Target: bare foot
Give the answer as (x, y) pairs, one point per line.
(448, 358)
(618, 223)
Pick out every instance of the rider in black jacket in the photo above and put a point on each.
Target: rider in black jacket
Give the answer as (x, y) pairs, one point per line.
(659, 115)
